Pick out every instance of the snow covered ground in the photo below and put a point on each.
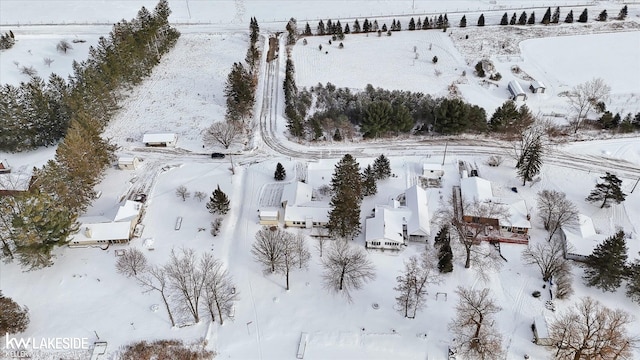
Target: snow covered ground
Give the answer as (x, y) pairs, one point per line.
(83, 296)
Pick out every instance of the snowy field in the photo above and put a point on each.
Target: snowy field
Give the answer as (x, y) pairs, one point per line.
(83, 296)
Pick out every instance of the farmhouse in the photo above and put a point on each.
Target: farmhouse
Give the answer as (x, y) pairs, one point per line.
(541, 331)
(537, 87)
(515, 91)
(299, 208)
(101, 230)
(580, 241)
(128, 163)
(161, 140)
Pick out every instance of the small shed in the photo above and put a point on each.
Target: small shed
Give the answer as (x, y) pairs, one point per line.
(541, 331)
(162, 140)
(515, 91)
(4, 167)
(269, 217)
(537, 87)
(128, 163)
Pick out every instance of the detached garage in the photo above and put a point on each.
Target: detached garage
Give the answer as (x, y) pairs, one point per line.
(162, 140)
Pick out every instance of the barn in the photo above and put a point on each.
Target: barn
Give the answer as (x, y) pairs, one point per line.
(161, 140)
(537, 87)
(515, 91)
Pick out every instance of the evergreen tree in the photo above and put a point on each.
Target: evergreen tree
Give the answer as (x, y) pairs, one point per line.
(480, 69)
(532, 18)
(320, 29)
(531, 162)
(513, 19)
(307, 30)
(505, 19)
(381, 167)
(569, 18)
(445, 254)
(546, 19)
(440, 22)
(347, 30)
(523, 18)
(239, 92)
(463, 21)
(607, 190)
(337, 136)
(402, 119)
(426, 24)
(633, 282)
(393, 25)
(584, 17)
(606, 266)
(398, 26)
(280, 173)
(623, 13)
(412, 24)
(218, 202)
(365, 26)
(451, 116)
(556, 16)
(377, 119)
(384, 27)
(375, 27)
(13, 317)
(603, 16)
(369, 186)
(329, 28)
(419, 24)
(344, 216)
(481, 20)
(356, 27)
(446, 21)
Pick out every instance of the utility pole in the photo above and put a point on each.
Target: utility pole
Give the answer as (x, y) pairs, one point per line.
(636, 184)
(445, 152)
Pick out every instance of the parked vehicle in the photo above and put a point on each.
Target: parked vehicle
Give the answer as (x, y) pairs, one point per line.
(217, 156)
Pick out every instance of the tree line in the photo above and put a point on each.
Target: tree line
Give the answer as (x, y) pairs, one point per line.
(31, 225)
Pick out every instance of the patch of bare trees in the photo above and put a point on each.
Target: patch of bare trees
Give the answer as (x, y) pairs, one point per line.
(63, 46)
(346, 268)
(584, 97)
(280, 251)
(549, 257)
(187, 281)
(556, 211)
(223, 133)
(182, 192)
(476, 336)
(419, 273)
(591, 331)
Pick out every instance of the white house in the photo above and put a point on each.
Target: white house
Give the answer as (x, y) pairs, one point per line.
(385, 229)
(541, 331)
(537, 87)
(163, 140)
(296, 193)
(515, 91)
(300, 210)
(580, 241)
(100, 230)
(128, 163)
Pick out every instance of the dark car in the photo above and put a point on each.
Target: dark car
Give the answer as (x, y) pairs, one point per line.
(217, 156)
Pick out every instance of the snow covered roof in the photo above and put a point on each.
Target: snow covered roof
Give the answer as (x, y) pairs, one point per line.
(128, 211)
(296, 193)
(126, 160)
(432, 170)
(418, 222)
(542, 329)
(517, 211)
(476, 188)
(91, 232)
(385, 226)
(537, 84)
(268, 214)
(515, 88)
(4, 166)
(159, 138)
(317, 213)
(583, 239)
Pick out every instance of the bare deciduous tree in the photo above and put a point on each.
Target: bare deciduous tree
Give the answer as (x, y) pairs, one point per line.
(224, 133)
(64, 46)
(418, 273)
(584, 97)
(564, 283)
(474, 325)
(268, 249)
(302, 252)
(199, 195)
(321, 240)
(346, 268)
(219, 292)
(549, 257)
(186, 276)
(131, 263)
(535, 135)
(182, 192)
(155, 279)
(592, 331)
(556, 211)
(47, 61)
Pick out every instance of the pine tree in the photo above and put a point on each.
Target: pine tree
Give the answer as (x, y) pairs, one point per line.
(569, 18)
(344, 216)
(445, 24)
(523, 18)
(513, 19)
(280, 173)
(356, 26)
(402, 120)
(337, 136)
(369, 186)
(382, 167)
(546, 19)
(606, 266)
(531, 162)
(556, 16)
(419, 24)
(505, 19)
(329, 28)
(365, 26)
(607, 190)
(633, 282)
(584, 17)
(623, 13)
(532, 18)
(445, 254)
(393, 25)
(481, 20)
(412, 24)
(463, 21)
(384, 27)
(347, 30)
(440, 22)
(377, 119)
(375, 27)
(307, 30)
(603, 16)
(218, 202)
(320, 29)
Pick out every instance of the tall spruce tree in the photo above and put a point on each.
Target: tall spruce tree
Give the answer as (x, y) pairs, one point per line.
(344, 216)
(522, 20)
(603, 16)
(307, 30)
(356, 26)
(320, 30)
(569, 18)
(369, 186)
(606, 266)
(607, 191)
(218, 202)
(412, 24)
(546, 19)
(584, 17)
(239, 91)
(481, 20)
(377, 119)
(463, 21)
(532, 18)
(623, 13)
(505, 19)
(382, 167)
(445, 254)
(633, 281)
(556, 16)
(513, 19)
(531, 162)
(280, 173)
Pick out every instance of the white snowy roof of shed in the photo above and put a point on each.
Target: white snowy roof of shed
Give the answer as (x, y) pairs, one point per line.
(158, 138)
(541, 327)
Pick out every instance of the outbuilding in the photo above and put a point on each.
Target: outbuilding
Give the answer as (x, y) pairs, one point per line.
(161, 140)
(128, 163)
(541, 331)
(537, 87)
(515, 91)
(269, 217)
